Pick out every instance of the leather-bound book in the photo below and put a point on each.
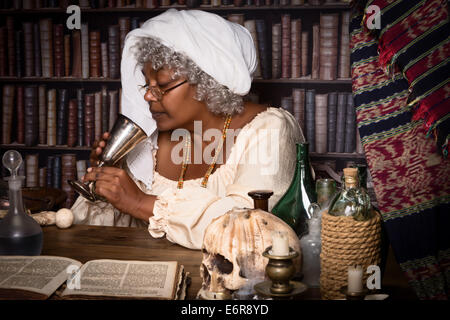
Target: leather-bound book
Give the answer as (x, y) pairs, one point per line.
(7, 112)
(11, 46)
(62, 115)
(276, 50)
(80, 117)
(84, 50)
(94, 4)
(89, 125)
(285, 46)
(68, 172)
(94, 53)
(344, 51)
(332, 108)
(56, 175)
(42, 92)
(124, 28)
(97, 115)
(105, 60)
(72, 124)
(3, 52)
(51, 117)
(19, 53)
(46, 32)
(310, 102)
(32, 170)
(28, 48)
(251, 27)
(340, 121)
(111, 4)
(50, 162)
(37, 50)
(298, 99)
(296, 43)
(315, 64)
(84, 4)
(287, 104)
(135, 22)
(105, 110)
(81, 169)
(329, 24)
(67, 55)
(321, 122)
(113, 108)
(20, 115)
(114, 47)
(31, 115)
(151, 4)
(261, 32)
(304, 52)
(58, 47)
(42, 177)
(350, 125)
(76, 45)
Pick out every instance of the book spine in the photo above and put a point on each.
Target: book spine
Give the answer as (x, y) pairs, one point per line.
(340, 121)
(42, 114)
(89, 125)
(105, 110)
(67, 55)
(135, 21)
(20, 115)
(46, 33)
(94, 53)
(97, 115)
(287, 104)
(32, 171)
(28, 48)
(321, 122)
(315, 64)
(31, 115)
(62, 114)
(77, 64)
(276, 50)
(310, 118)
(81, 169)
(332, 107)
(56, 175)
(80, 117)
(50, 162)
(114, 47)
(350, 126)
(105, 62)
(19, 53)
(285, 46)
(11, 46)
(42, 177)
(7, 112)
(296, 43)
(298, 97)
(124, 28)
(58, 36)
(344, 57)
(3, 52)
(37, 50)
(305, 55)
(51, 117)
(328, 46)
(251, 27)
(263, 49)
(113, 108)
(84, 50)
(68, 172)
(72, 124)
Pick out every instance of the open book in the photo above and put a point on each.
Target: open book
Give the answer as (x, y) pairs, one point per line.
(38, 277)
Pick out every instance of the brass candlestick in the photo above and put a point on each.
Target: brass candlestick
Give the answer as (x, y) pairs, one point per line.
(280, 270)
(360, 295)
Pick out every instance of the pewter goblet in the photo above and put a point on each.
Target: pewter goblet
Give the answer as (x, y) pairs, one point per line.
(124, 136)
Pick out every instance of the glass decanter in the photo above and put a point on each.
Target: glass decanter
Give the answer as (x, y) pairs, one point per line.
(293, 206)
(20, 234)
(311, 245)
(352, 201)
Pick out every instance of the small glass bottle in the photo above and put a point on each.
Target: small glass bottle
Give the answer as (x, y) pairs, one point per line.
(353, 200)
(20, 234)
(311, 245)
(293, 206)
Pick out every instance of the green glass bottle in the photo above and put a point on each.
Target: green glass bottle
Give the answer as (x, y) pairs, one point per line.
(293, 205)
(353, 200)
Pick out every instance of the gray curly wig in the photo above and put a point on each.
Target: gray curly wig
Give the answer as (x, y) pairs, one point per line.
(218, 98)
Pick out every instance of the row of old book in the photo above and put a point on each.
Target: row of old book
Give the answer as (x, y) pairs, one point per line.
(290, 55)
(33, 115)
(328, 120)
(100, 4)
(53, 172)
(44, 49)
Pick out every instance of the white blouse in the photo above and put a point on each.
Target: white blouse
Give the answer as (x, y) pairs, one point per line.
(262, 158)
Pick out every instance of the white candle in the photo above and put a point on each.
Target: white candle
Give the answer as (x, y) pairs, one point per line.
(355, 274)
(280, 243)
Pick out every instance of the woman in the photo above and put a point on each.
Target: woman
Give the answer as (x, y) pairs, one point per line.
(197, 68)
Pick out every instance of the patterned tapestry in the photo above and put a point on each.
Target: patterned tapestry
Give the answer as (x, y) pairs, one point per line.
(400, 79)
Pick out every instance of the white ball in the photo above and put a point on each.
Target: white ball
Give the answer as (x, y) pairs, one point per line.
(64, 218)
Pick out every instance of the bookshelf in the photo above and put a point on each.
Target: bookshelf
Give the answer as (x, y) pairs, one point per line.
(270, 90)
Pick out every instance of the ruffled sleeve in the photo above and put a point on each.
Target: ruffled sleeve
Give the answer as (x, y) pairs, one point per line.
(263, 157)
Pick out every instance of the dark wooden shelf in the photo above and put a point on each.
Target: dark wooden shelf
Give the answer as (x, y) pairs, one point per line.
(338, 155)
(43, 147)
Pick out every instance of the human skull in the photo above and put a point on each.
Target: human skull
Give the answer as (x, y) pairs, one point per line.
(232, 250)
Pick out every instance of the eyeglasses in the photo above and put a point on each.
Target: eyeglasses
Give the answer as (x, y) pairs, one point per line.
(157, 92)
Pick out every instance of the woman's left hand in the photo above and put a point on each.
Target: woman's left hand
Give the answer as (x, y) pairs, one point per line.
(117, 187)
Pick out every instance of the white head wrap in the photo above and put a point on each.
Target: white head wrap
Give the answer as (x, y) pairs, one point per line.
(223, 49)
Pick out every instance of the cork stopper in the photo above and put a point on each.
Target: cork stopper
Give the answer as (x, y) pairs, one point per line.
(351, 177)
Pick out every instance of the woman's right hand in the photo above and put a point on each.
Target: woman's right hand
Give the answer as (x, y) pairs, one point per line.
(97, 149)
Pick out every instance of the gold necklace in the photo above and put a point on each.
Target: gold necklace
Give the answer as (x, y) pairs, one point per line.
(187, 153)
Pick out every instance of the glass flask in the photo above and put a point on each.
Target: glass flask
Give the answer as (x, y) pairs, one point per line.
(20, 234)
(353, 200)
(293, 206)
(311, 245)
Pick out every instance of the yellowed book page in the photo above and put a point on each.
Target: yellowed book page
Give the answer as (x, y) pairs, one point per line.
(116, 278)
(40, 274)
